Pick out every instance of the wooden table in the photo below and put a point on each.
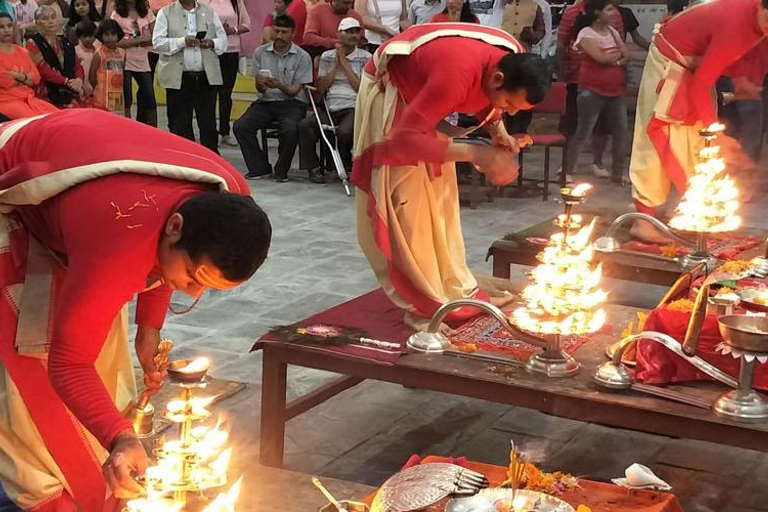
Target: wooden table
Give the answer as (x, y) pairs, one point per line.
(514, 249)
(575, 398)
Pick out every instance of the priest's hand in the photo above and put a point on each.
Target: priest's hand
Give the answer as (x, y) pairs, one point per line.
(127, 458)
(498, 164)
(147, 341)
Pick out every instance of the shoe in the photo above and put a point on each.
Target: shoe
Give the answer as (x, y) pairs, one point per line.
(229, 140)
(568, 177)
(251, 176)
(281, 179)
(600, 171)
(316, 175)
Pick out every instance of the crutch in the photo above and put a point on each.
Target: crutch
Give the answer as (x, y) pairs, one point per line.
(334, 149)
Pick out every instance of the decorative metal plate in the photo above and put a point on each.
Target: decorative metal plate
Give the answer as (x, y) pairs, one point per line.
(419, 487)
(488, 499)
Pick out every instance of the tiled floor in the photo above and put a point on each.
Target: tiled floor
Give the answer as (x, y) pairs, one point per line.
(364, 434)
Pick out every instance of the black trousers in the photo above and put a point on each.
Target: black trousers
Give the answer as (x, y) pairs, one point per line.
(262, 114)
(198, 96)
(229, 64)
(309, 134)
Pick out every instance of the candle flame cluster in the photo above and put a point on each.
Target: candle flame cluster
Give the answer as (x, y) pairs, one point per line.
(564, 296)
(195, 462)
(711, 199)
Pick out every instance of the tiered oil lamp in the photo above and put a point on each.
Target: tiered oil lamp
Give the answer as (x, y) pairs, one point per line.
(709, 205)
(564, 298)
(195, 462)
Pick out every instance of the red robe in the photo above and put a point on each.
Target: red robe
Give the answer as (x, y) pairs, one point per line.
(715, 34)
(431, 90)
(106, 230)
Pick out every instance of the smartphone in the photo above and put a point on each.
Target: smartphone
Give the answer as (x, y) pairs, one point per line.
(265, 73)
(200, 35)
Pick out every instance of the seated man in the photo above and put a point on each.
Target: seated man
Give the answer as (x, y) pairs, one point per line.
(338, 78)
(281, 69)
(322, 31)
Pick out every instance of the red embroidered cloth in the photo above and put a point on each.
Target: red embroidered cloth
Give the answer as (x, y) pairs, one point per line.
(724, 249)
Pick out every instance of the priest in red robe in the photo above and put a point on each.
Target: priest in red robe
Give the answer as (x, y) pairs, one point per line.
(676, 97)
(408, 205)
(140, 212)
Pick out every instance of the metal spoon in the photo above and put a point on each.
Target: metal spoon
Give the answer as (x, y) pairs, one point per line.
(328, 495)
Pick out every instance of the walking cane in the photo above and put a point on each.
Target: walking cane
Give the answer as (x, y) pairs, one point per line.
(334, 149)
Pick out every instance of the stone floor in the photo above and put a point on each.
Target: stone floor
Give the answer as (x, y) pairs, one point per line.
(366, 433)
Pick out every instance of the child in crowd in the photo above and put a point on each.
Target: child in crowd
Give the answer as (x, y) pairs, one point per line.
(106, 73)
(80, 10)
(86, 49)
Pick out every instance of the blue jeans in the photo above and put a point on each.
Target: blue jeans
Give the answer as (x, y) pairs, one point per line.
(590, 107)
(145, 95)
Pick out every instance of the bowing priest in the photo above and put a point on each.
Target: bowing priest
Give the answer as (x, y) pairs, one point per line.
(141, 213)
(408, 203)
(676, 98)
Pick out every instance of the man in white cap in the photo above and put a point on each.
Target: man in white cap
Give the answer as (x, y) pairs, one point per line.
(338, 79)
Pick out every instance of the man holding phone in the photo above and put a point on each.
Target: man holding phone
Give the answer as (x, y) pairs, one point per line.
(189, 38)
(281, 70)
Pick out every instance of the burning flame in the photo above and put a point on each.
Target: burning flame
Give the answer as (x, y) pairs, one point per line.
(581, 189)
(711, 199)
(225, 502)
(195, 406)
(564, 295)
(197, 365)
(716, 127)
(196, 461)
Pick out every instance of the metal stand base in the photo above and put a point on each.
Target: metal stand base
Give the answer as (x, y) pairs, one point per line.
(691, 260)
(742, 407)
(427, 343)
(553, 364)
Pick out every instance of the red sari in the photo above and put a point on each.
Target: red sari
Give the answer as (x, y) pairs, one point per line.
(100, 214)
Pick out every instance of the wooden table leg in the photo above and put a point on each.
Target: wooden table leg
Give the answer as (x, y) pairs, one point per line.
(500, 266)
(273, 416)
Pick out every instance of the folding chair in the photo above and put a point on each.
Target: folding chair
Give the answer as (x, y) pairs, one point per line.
(332, 148)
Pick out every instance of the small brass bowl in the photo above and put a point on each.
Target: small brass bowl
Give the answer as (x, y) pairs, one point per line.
(747, 333)
(177, 374)
(351, 506)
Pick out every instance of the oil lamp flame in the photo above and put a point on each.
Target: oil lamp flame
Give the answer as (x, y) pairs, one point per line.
(564, 294)
(716, 127)
(225, 502)
(711, 200)
(197, 365)
(581, 189)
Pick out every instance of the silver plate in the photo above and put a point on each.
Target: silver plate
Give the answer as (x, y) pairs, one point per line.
(486, 500)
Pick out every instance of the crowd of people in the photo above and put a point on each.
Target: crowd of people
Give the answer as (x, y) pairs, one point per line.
(95, 55)
(144, 213)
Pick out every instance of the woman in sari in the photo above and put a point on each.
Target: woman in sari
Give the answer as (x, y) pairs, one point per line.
(18, 76)
(61, 72)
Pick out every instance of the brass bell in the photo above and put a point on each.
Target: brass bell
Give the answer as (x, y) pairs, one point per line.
(141, 413)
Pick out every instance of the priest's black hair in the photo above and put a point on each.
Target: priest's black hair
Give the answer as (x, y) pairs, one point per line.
(231, 230)
(526, 71)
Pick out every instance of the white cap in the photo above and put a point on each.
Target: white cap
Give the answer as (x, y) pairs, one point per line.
(348, 23)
